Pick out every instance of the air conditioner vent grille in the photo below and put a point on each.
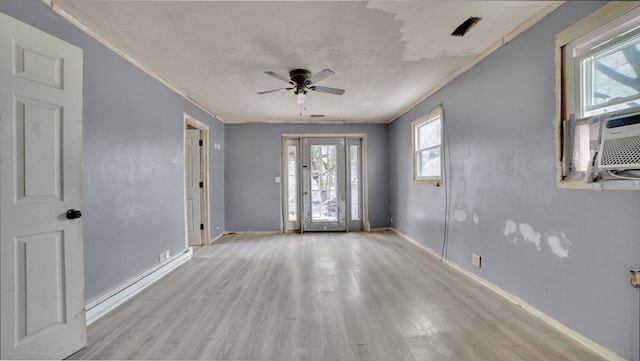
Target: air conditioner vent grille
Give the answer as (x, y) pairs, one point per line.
(621, 152)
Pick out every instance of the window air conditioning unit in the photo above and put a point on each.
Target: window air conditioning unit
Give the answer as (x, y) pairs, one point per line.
(620, 143)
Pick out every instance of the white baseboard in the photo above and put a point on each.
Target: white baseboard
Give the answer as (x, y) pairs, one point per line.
(590, 344)
(217, 238)
(101, 305)
(382, 229)
(263, 233)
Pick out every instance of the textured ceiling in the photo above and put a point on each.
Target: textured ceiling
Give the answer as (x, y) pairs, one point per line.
(388, 55)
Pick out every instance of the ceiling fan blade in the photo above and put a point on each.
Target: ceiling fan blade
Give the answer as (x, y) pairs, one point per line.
(324, 89)
(273, 90)
(320, 76)
(278, 76)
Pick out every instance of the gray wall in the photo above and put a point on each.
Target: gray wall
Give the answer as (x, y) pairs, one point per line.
(133, 194)
(253, 161)
(499, 118)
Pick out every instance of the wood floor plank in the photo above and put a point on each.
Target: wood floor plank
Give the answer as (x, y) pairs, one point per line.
(322, 296)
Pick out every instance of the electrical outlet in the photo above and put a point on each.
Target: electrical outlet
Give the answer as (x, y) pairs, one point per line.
(635, 278)
(162, 257)
(167, 255)
(476, 260)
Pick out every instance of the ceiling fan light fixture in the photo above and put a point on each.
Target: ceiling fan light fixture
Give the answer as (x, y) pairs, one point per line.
(301, 80)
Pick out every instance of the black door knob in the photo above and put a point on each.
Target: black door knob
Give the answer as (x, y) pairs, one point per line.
(73, 214)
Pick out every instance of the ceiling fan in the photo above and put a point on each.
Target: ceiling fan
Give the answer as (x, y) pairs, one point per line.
(302, 81)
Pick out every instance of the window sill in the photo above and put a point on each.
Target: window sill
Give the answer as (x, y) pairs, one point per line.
(600, 186)
(435, 182)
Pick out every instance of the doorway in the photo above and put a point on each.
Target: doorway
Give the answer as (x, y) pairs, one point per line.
(322, 183)
(196, 176)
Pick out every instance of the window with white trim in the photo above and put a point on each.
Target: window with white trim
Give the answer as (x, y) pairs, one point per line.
(427, 147)
(598, 77)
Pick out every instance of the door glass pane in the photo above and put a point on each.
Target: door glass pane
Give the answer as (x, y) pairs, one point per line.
(355, 182)
(292, 177)
(324, 192)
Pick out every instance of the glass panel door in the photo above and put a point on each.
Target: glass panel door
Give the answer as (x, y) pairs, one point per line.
(323, 184)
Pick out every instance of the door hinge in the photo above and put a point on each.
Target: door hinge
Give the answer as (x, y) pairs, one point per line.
(201, 184)
(200, 143)
(201, 226)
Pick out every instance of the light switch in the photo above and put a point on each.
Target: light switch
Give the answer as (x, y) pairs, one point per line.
(277, 179)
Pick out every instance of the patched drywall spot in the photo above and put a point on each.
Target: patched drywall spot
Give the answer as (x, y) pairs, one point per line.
(476, 219)
(424, 23)
(559, 245)
(509, 228)
(419, 22)
(460, 215)
(529, 234)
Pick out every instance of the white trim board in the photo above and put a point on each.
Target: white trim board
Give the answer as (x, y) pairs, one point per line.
(263, 233)
(217, 238)
(590, 344)
(101, 305)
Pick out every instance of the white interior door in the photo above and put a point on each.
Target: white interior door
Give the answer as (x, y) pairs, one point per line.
(323, 184)
(42, 281)
(194, 191)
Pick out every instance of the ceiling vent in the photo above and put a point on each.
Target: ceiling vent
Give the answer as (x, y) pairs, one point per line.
(463, 28)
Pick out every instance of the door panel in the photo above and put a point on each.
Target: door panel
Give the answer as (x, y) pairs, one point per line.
(38, 130)
(323, 184)
(194, 192)
(42, 268)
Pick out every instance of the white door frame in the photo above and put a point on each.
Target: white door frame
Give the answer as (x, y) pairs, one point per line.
(364, 169)
(204, 168)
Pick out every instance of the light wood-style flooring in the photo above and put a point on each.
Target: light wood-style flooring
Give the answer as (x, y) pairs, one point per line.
(322, 296)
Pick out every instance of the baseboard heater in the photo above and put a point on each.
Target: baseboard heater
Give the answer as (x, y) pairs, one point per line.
(101, 305)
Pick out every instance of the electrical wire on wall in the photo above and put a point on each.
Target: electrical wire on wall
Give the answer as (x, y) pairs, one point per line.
(447, 186)
(616, 175)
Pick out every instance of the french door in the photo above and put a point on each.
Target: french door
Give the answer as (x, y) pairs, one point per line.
(322, 184)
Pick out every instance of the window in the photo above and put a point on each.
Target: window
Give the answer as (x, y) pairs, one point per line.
(427, 146)
(354, 176)
(606, 75)
(597, 77)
